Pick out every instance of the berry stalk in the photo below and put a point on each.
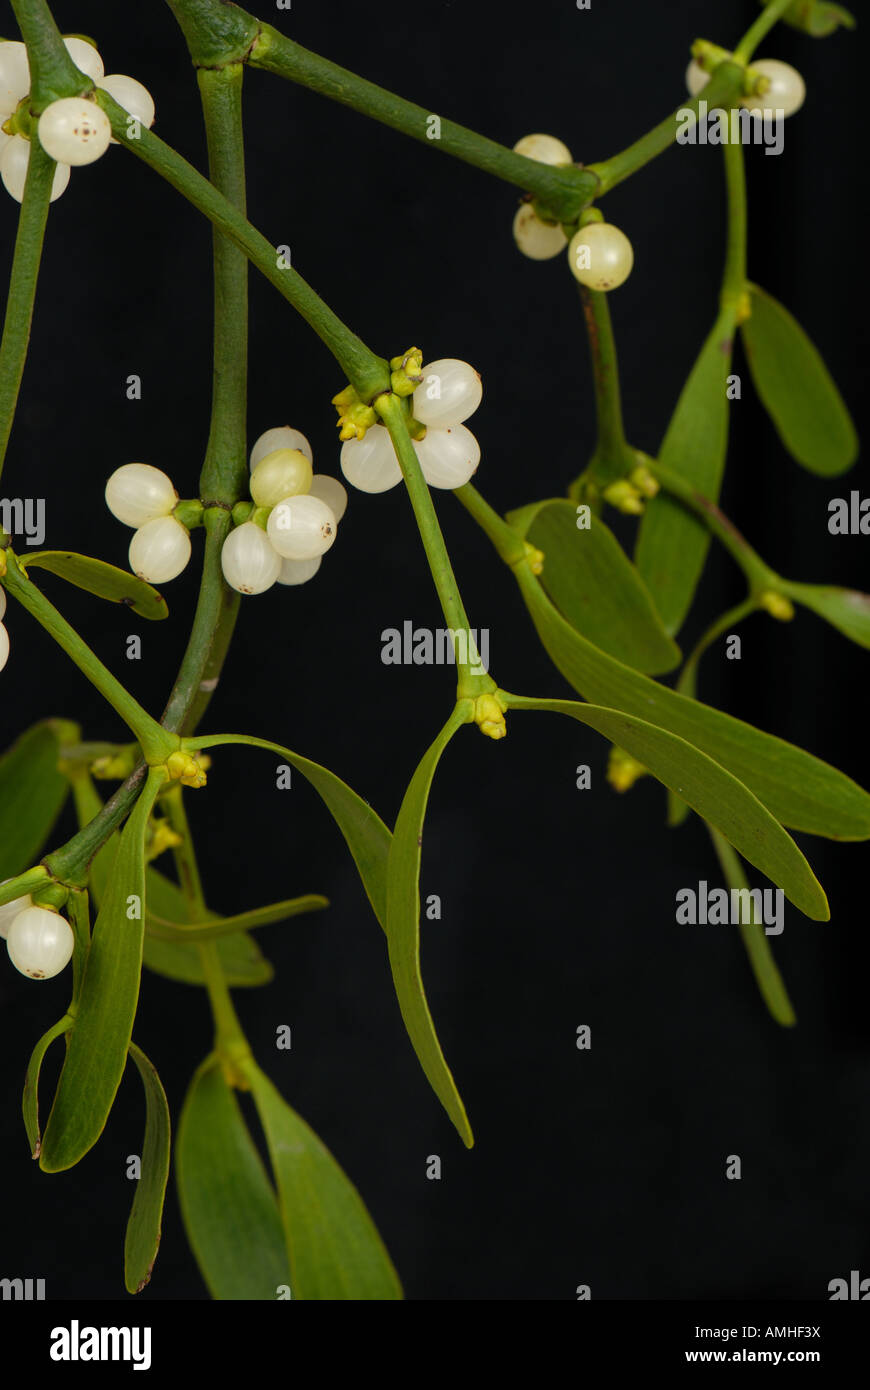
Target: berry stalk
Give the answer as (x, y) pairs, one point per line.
(770, 16)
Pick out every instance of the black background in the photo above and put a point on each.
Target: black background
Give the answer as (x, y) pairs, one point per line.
(604, 1167)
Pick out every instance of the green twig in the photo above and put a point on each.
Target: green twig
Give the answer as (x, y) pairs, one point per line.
(770, 16)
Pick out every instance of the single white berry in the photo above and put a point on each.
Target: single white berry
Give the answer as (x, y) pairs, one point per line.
(370, 464)
(281, 437)
(301, 527)
(40, 943)
(330, 491)
(14, 77)
(160, 550)
(130, 94)
(696, 78)
(451, 391)
(248, 559)
(299, 571)
(546, 149)
(538, 240)
(449, 456)
(600, 256)
(85, 57)
(74, 130)
(137, 493)
(9, 911)
(4, 646)
(786, 92)
(14, 161)
(283, 473)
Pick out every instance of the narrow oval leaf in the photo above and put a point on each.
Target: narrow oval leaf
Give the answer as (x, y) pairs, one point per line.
(32, 793)
(797, 390)
(847, 610)
(164, 929)
(709, 789)
(333, 1246)
(799, 790)
(104, 580)
(143, 1228)
(229, 1208)
(403, 927)
(97, 1052)
(595, 586)
(365, 834)
(672, 544)
(30, 1099)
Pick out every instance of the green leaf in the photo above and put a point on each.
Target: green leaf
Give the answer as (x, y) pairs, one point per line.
(97, 1052)
(403, 927)
(672, 544)
(596, 587)
(166, 929)
(30, 1099)
(709, 789)
(333, 1246)
(816, 17)
(798, 789)
(104, 580)
(367, 838)
(143, 1228)
(229, 1208)
(847, 610)
(797, 390)
(32, 793)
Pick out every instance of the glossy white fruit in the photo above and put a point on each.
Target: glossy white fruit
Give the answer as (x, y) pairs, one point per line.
(600, 256)
(4, 646)
(299, 571)
(40, 943)
(786, 92)
(85, 57)
(330, 491)
(9, 911)
(283, 473)
(14, 77)
(301, 527)
(449, 456)
(14, 161)
(451, 391)
(696, 78)
(74, 130)
(137, 493)
(248, 559)
(130, 94)
(281, 437)
(160, 550)
(370, 464)
(546, 149)
(538, 240)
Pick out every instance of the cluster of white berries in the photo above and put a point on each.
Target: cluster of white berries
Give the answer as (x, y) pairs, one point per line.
(73, 130)
(144, 497)
(304, 509)
(786, 92)
(40, 942)
(450, 392)
(600, 255)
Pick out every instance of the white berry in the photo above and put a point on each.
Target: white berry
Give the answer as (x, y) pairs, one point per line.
(301, 527)
(40, 943)
(248, 559)
(281, 437)
(449, 456)
(4, 646)
(451, 391)
(137, 493)
(130, 94)
(160, 550)
(9, 911)
(85, 57)
(283, 473)
(14, 77)
(546, 149)
(74, 130)
(370, 464)
(786, 92)
(538, 240)
(299, 571)
(600, 256)
(14, 161)
(696, 78)
(330, 491)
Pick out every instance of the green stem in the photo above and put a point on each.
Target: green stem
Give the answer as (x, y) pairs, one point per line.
(53, 74)
(23, 884)
(216, 612)
(184, 853)
(770, 16)
(610, 459)
(22, 286)
(69, 864)
(686, 685)
(79, 919)
(760, 577)
(510, 547)
(734, 275)
(764, 967)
